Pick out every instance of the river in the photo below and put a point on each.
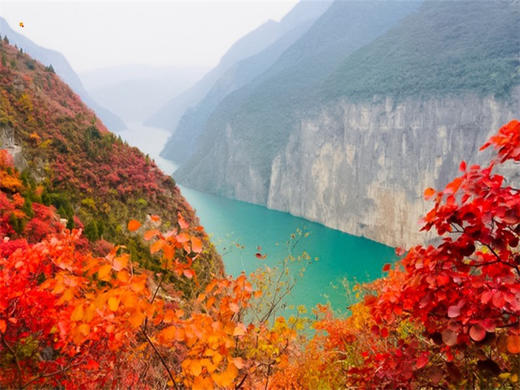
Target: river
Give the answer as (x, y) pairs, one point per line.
(241, 230)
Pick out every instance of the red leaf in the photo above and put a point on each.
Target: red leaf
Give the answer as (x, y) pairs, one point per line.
(454, 311)
(422, 360)
(453, 187)
(477, 332)
(513, 344)
(399, 251)
(449, 337)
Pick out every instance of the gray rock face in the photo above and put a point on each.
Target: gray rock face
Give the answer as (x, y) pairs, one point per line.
(362, 167)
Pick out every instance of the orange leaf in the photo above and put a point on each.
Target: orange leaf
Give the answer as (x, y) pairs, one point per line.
(183, 237)
(155, 218)
(3, 326)
(168, 252)
(156, 246)
(226, 378)
(171, 333)
(77, 313)
(121, 262)
(104, 272)
(453, 187)
(196, 244)
(194, 367)
(428, 193)
(151, 234)
(133, 225)
(202, 383)
(513, 344)
(238, 362)
(84, 329)
(182, 223)
(123, 276)
(113, 303)
(234, 307)
(240, 330)
(136, 319)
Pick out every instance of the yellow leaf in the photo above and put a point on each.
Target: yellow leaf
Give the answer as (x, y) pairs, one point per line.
(133, 225)
(104, 272)
(77, 313)
(113, 303)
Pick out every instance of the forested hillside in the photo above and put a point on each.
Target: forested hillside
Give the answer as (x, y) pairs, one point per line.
(64, 70)
(192, 124)
(70, 161)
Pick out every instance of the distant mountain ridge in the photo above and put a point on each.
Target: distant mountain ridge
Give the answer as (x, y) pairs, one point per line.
(266, 108)
(248, 46)
(184, 140)
(135, 91)
(64, 70)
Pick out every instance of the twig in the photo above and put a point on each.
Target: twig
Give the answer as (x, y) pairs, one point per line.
(48, 375)
(161, 359)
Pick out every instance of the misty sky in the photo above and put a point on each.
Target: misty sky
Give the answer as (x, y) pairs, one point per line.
(94, 34)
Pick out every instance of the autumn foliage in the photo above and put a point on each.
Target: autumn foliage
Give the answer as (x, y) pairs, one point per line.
(447, 314)
(79, 311)
(70, 161)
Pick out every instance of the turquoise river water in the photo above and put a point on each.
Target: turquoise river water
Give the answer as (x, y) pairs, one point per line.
(238, 229)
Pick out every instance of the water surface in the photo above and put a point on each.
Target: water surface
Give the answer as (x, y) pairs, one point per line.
(241, 230)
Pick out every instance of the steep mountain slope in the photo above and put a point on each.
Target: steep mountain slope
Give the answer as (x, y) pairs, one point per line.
(70, 161)
(266, 108)
(135, 91)
(63, 69)
(346, 151)
(182, 143)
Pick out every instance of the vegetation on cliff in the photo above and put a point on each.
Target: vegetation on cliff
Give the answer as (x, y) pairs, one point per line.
(70, 161)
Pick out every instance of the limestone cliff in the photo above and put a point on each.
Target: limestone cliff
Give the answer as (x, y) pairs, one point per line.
(362, 167)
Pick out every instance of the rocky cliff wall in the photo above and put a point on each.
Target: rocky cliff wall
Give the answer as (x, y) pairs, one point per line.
(362, 168)
(359, 167)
